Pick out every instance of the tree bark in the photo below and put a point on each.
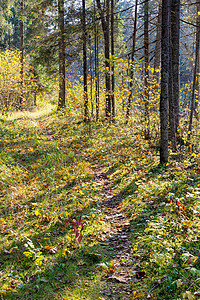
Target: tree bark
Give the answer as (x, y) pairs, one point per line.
(146, 71)
(21, 33)
(175, 54)
(172, 126)
(132, 60)
(85, 88)
(174, 71)
(164, 82)
(96, 46)
(197, 77)
(91, 79)
(105, 26)
(197, 93)
(113, 66)
(157, 58)
(61, 41)
(192, 103)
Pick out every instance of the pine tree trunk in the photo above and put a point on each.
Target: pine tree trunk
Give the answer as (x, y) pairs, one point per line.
(197, 93)
(21, 33)
(113, 66)
(85, 88)
(146, 71)
(175, 54)
(91, 80)
(197, 77)
(132, 61)
(174, 71)
(61, 41)
(164, 82)
(157, 57)
(96, 46)
(172, 126)
(192, 103)
(105, 26)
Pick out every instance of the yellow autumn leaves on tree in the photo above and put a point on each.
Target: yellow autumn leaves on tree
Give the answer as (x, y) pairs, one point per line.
(12, 84)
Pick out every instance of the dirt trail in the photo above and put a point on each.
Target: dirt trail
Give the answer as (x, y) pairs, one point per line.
(117, 241)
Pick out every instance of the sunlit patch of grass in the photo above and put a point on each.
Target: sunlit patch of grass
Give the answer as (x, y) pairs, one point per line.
(28, 115)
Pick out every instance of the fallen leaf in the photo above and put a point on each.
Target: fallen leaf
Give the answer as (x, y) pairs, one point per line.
(137, 295)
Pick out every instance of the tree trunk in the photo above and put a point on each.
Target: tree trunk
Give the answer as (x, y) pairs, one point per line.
(146, 71)
(157, 58)
(113, 66)
(91, 79)
(61, 40)
(197, 77)
(197, 93)
(192, 103)
(172, 126)
(175, 54)
(132, 61)
(21, 33)
(174, 71)
(96, 46)
(105, 27)
(164, 82)
(85, 88)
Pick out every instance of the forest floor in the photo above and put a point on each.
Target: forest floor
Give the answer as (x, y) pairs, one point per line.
(87, 212)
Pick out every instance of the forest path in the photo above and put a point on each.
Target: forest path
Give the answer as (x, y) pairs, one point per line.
(117, 241)
(120, 276)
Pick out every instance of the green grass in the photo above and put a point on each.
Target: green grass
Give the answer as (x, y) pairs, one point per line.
(47, 179)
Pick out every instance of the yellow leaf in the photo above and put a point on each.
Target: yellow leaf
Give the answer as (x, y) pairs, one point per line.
(186, 223)
(112, 263)
(48, 247)
(137, 295)
(179, 283)
(189, 295)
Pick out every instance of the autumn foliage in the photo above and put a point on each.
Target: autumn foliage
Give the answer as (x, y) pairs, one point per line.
(12, 86)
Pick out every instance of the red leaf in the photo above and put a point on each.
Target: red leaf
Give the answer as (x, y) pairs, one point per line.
(79, 222)
(80, 238)
(45, 185)
(178, 203)
(171, 201)
(66, 225)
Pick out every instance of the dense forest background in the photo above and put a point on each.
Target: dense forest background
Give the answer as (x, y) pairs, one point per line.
(99, 149)
(113, 48)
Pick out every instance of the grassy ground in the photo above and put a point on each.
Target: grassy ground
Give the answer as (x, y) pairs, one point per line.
(71, 194)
